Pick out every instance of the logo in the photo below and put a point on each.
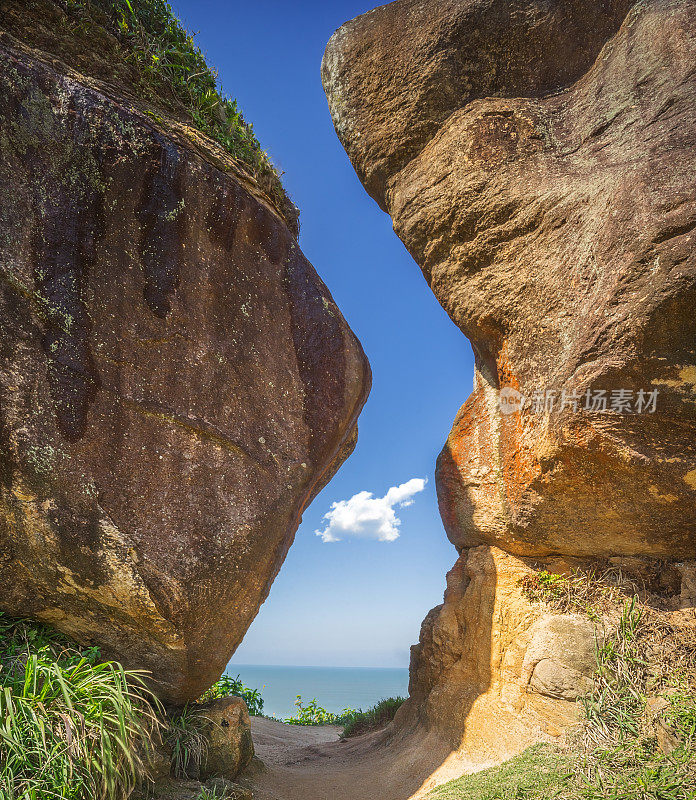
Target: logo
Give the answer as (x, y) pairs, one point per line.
(510, 400)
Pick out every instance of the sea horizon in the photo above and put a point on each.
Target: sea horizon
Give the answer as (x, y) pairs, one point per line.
(335, 688)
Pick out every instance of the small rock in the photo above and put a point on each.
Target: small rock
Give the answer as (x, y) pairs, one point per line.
(228, 731)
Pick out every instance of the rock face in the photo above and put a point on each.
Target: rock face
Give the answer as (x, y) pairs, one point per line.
(176, 382)
(537, 160)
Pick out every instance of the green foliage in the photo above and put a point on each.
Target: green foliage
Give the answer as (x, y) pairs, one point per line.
(186, 741)
(622, 759)
(70, 726)
(376, 717)
(227, 686)
(169, 60)
(616, 753)
(539, 773)
(579, 592)
(314, 714)
(212, 794)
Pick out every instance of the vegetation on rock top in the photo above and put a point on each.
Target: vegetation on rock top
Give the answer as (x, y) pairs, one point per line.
(164, 66)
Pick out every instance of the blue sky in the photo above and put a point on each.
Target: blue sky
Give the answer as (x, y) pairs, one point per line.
(357, 601)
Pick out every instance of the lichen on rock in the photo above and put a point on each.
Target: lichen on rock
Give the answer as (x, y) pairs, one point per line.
(537, 161)
(176, 382)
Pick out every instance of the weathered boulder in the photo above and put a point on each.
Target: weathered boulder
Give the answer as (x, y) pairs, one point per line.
(473, 676)
(561, 658)
(176, 382)
(537, 159)
(227, 730)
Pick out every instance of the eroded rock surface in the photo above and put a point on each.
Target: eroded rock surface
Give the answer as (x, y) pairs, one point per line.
(176, 382)
(537, 159)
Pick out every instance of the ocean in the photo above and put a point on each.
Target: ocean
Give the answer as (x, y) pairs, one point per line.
(335, 688)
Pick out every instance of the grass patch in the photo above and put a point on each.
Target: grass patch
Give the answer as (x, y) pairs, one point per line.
(627, 752)
(539, 773)
(375, 718)
(580, 592)
(71, 727)
(143, 48)
(638, 737)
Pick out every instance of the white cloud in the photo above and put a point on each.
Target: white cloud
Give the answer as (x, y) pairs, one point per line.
(370, 517)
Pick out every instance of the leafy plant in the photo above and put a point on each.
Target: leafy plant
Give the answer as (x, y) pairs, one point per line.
(70, 726)
(313, 714)
(227, 686)
(376, 717)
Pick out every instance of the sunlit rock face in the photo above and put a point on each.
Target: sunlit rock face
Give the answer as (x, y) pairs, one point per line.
(176, 382)
(537, 159)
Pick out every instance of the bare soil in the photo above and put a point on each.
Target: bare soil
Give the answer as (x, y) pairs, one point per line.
(311, 763)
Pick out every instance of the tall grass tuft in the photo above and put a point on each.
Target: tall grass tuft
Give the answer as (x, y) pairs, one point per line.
(70, 727)
(375, 718)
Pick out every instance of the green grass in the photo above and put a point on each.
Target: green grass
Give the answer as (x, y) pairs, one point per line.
(187, 744)
(375, 718)
(615, 754)
(621, 757)
(71, 727)
(537, 774)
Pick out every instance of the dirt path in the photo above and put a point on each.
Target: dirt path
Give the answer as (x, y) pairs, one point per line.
(310, 763)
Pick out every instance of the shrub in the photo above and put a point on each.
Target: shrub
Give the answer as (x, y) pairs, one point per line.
(379, 716)
(70, 726)
(227, 685)
(314, 714)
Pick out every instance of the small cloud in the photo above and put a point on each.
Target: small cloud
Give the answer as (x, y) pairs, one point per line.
(370, 517)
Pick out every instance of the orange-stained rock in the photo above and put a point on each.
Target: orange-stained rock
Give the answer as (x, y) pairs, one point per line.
(537, 160)
(176, 382)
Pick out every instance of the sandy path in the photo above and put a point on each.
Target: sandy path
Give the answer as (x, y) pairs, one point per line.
(310, 763)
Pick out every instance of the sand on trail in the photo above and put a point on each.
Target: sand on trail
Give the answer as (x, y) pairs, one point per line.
(310, 763)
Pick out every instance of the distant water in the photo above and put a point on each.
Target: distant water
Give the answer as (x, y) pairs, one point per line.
(335, 688)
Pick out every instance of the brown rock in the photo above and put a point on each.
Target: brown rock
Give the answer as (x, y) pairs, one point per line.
(561, 658)
(537, 160)
(470, 673)
(176, 382)
(227, 729)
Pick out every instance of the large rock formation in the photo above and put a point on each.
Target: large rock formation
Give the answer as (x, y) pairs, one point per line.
(537, 159)
(176, 382)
